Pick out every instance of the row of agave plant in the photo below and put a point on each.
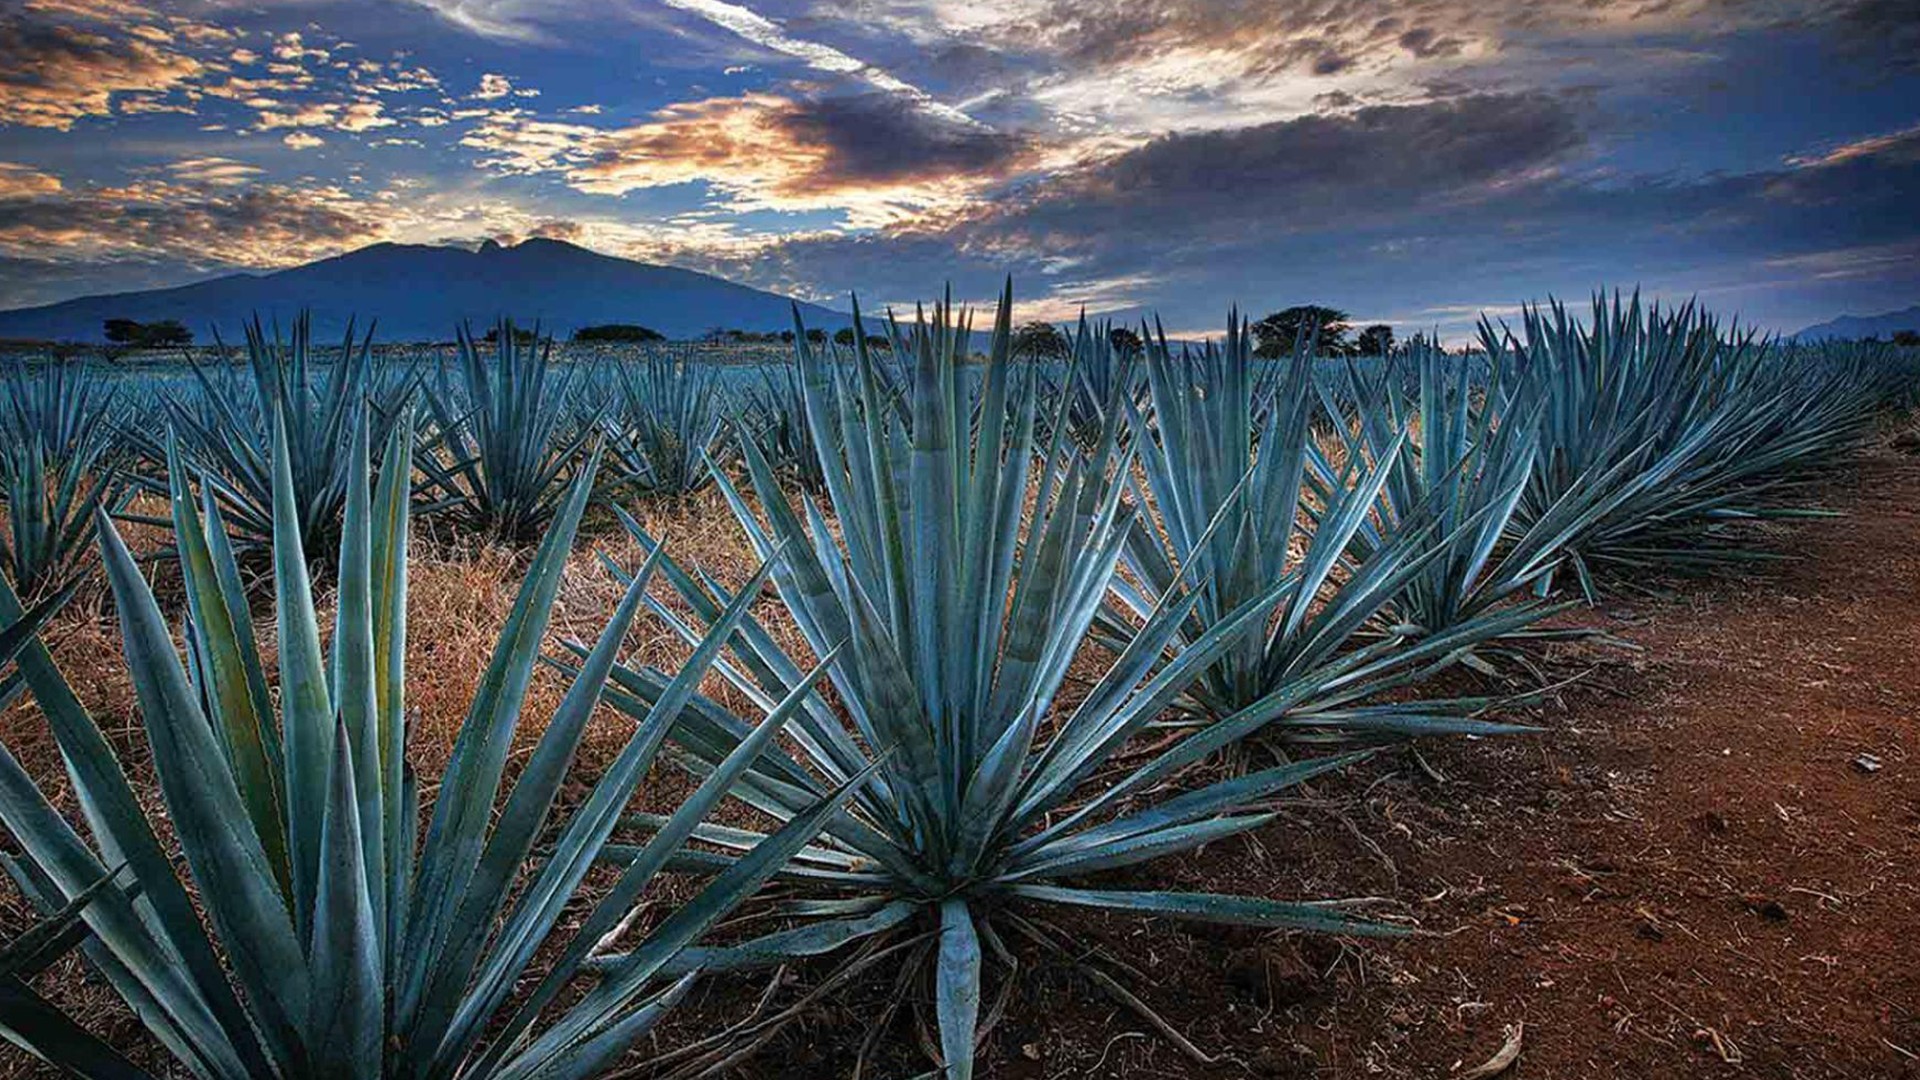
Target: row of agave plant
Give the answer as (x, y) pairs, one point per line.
(505, 425)
(503, 429)
(1258, 557)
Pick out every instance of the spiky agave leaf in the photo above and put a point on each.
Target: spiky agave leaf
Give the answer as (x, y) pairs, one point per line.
(774, 415)
(50, 505)
(1101, 370)
(1465, 466)
(668, 424)
(60, 460)
(348, 950)
(1657, 429)
(28, 1020)
(1250, 510)
(504, 447)
(960, 607)
(225, 429)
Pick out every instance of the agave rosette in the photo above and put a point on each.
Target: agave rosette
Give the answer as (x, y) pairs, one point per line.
(59, 451)
(1465, 468)
(504, 445)
(1657, 429)
(334, 942)
(1249, 509)
(966, 573)
(774, 415)
(225, 431)
(668, 421)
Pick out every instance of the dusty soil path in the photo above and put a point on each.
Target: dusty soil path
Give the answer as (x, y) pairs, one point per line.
(1698, 871)
(1716, 871)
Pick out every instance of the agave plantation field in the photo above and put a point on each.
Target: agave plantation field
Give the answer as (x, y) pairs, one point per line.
(506, 710)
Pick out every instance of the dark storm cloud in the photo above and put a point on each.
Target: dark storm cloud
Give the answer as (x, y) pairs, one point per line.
(1884, 31)
(1380, 160)
(881, 137)
(1404, 211)
(767, 149)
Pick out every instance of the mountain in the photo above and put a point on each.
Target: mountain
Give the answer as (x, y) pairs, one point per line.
(420, 293)
(1858, 326)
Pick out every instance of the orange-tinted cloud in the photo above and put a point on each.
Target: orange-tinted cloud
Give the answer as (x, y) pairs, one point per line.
(197, 220)
(22, 182)
(874, 155)
(53, 75)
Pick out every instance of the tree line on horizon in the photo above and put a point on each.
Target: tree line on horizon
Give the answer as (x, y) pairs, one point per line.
(1274, 335)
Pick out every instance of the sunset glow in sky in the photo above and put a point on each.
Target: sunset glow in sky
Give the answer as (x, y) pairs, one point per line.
(1414, 163)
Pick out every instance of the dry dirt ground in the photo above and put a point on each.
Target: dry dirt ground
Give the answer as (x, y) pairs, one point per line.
(1706, 866)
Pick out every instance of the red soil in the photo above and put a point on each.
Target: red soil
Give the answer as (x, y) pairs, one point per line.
(1695, 872)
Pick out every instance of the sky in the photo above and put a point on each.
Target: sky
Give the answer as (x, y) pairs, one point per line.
(1414, 163)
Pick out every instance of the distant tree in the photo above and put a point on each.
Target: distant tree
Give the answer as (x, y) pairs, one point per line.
(817, 336)
(786, 336)
(1375, 340)
(879, 343)
(1125, 340)
(844, 336)
(1040, 341)
(620, 332)
(1277, 334)
(1907, 339)
(165, 334)
(521, 335)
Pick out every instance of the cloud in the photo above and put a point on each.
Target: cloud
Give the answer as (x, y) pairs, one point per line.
(509, 20)
(191, 224)
(873, 154)
(25, 182)
(764, 32)
(492, 86)
(1419, 213)
(879, 137)
(1900, 145)
(54, 75)
(300, 140)
(104, 11)
(1138, 68)
(1880, 31)
(291, 48)
(516, 141)
(1186, 192)
(348, 116)
(214, 171)
(778, 151)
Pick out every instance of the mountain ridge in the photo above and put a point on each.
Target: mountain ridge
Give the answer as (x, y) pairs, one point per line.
(1883, 325)
(561, 285)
